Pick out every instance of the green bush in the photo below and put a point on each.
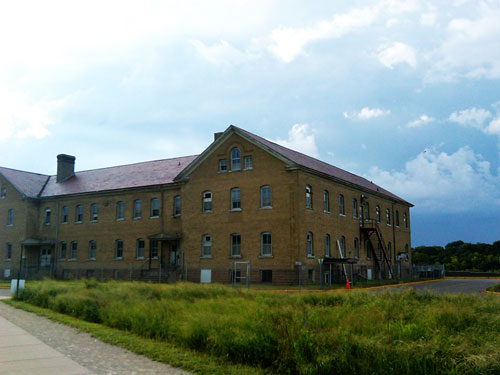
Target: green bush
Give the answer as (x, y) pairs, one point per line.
(356, 332)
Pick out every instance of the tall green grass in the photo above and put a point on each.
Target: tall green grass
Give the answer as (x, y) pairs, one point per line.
(330, 333)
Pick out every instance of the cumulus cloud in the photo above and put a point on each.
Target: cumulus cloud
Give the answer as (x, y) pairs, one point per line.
(424, 119)
(397, 53)
(300, 138)
(367, 114)
(472, 117)
(470, 48)
(222, 53)
(438, 181)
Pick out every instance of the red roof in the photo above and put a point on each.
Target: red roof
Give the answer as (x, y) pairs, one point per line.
(321, 167)
(27, 183)
(148, 173)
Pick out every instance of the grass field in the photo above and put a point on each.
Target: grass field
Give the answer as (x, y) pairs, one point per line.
(328, 333)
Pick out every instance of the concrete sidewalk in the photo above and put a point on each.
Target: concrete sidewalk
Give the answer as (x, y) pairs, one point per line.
(23, 354)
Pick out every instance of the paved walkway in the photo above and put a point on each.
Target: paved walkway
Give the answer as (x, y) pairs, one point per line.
(30, 344)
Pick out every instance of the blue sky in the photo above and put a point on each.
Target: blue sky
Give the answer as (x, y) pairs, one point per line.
(406, 94)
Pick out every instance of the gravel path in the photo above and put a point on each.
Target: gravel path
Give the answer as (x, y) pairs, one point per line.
(100, 358)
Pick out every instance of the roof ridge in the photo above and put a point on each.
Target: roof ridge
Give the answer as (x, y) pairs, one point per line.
(19, 170)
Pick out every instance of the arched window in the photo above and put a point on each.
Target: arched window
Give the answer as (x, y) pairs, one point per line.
(235, 199)
(354, 208)
(341, 205)
(342, 246)
(308, 196)
(177, 205)
(327, 246)
(64, 215)
(377, 214)
(235, 245)
(326, 201)
(137, 209)
(367, 211)
(356, 248)
(389, 250)
(235, 159)
(206, 246)
(388, 216)
(206, 205)
(405, 221)
(266, 244)
(397, 218)
(309, 244)
(92, 248)
(265, 197)
(118, 249)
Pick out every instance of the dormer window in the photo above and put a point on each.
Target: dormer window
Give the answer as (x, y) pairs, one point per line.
(235, 159)
(222, 165)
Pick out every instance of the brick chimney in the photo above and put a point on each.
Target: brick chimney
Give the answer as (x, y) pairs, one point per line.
(217, 135)
(65, 167)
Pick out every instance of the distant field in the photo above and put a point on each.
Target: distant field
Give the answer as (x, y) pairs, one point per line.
(329, 333)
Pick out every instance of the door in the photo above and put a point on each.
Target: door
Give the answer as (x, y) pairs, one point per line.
(173, 255)
(205, 276)
(45, 257)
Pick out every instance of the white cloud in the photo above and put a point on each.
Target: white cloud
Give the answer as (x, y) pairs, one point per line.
(397, 53)
(367, 114)
(494, 126)
(473, 117)
(287, 42)
(438, 181)
(428, 18)
(470, 48)
(424, 119)
(300, 138)
(222, 53)
(21, 118)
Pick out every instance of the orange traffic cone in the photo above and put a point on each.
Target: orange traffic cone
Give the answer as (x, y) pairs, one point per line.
(347, 284)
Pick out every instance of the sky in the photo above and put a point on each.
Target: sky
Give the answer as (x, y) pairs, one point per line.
(405, 94)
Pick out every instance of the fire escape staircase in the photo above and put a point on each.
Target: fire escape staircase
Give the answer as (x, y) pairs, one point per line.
(370, 227)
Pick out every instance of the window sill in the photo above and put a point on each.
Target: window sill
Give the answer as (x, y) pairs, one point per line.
(118, 258)
(343, 215)
(326, 212)
(309, 208)
(234, 257)
(120, 219)
(176, 215)
(219, 171)
(64, 222)
(46, 224)
(310, 256)
(139, 258)
(206, 257)
(72, 260)
(234, 170)
(265, 256)
(153, 258)
(8, 260)
(78, 222)
(266, 208)
(61, 260)
(91, 259)
(248, 169)
(93, 221)
(235, 210)
(137, 218)
(207, 212)
(154, 217)
(10, 225)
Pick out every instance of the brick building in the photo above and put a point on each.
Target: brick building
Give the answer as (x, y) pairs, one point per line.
(244, 207)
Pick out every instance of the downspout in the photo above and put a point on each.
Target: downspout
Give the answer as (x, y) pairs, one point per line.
(57, 239)
(393, 255)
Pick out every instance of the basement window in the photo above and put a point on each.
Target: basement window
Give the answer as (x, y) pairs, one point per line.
(266, 276)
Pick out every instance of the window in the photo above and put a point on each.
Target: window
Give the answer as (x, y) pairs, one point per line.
(405, 221)
(92, 248)
(8, 251)
(248, 162)
(377, 214)
(265, 197)
(177, 205)
(78, 214)
(308, 196)
(206, 205)
(379, 250)
(367, 211)
(389, 250)
(120, 210)
(235, 159)
(235, 199)
(397, 218)
(309, 244)
(10, 216)
(222, 165)
(354, 208)
(327, 246)
(64, 215)
(139, 249)
(266, 276)
(341, 205)
(155, 207)
(153, 249)
(356, 248)
(62, 250)
(206, 246)
(136, 214)
(235, 245)
(326, 201)
(3, 192)
(342, 246)
(388, 216)
(266, 244)
(118, 249)
(93, 212)
(46, 220)
(72, 250)
(368, 247)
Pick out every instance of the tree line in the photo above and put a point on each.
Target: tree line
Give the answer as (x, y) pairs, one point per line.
(460, 256)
